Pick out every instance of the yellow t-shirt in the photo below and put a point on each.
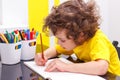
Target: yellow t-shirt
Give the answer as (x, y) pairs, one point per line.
(98, 47)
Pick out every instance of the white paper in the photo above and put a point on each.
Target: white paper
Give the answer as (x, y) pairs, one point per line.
(60, 75)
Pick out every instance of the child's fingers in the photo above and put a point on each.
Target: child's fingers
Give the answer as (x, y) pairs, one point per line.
(39, 61)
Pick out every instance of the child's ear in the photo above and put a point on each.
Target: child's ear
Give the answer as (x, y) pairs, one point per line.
(81, 37)
(81, 34)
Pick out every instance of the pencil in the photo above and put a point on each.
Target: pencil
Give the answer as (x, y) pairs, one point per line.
(2, 35)
(41, 46)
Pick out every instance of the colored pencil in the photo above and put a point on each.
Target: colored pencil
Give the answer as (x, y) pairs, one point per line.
(41, 46)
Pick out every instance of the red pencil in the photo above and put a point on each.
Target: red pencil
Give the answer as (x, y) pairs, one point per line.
(41, 46)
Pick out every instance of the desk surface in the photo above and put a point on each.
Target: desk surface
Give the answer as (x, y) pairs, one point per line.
(17, 72)
(21, 72)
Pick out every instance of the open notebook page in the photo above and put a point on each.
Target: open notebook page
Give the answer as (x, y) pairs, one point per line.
(60, 75)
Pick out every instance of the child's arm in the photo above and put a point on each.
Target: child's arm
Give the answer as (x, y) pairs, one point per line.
(99, 67)
(50, 52)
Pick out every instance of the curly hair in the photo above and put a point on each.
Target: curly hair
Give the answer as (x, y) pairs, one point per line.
(75, 16)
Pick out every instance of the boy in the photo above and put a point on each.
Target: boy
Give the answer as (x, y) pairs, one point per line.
(75, 24)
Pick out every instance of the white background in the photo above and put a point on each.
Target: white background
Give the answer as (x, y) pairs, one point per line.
(13, 13)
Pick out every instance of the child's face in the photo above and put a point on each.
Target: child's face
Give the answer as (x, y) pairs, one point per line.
(63, 41)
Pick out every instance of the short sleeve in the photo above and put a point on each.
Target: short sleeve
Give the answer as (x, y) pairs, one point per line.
(100, 50)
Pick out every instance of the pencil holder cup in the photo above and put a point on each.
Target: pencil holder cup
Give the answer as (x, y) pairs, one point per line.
(28, 49)
(10, 53)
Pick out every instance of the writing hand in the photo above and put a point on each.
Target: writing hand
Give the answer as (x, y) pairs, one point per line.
(39, 60)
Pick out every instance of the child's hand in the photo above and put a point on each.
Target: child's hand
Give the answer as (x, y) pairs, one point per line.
(39, 60)
(57, 65)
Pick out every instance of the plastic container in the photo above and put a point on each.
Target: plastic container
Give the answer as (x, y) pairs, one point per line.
(28, 49)
(10, 53)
